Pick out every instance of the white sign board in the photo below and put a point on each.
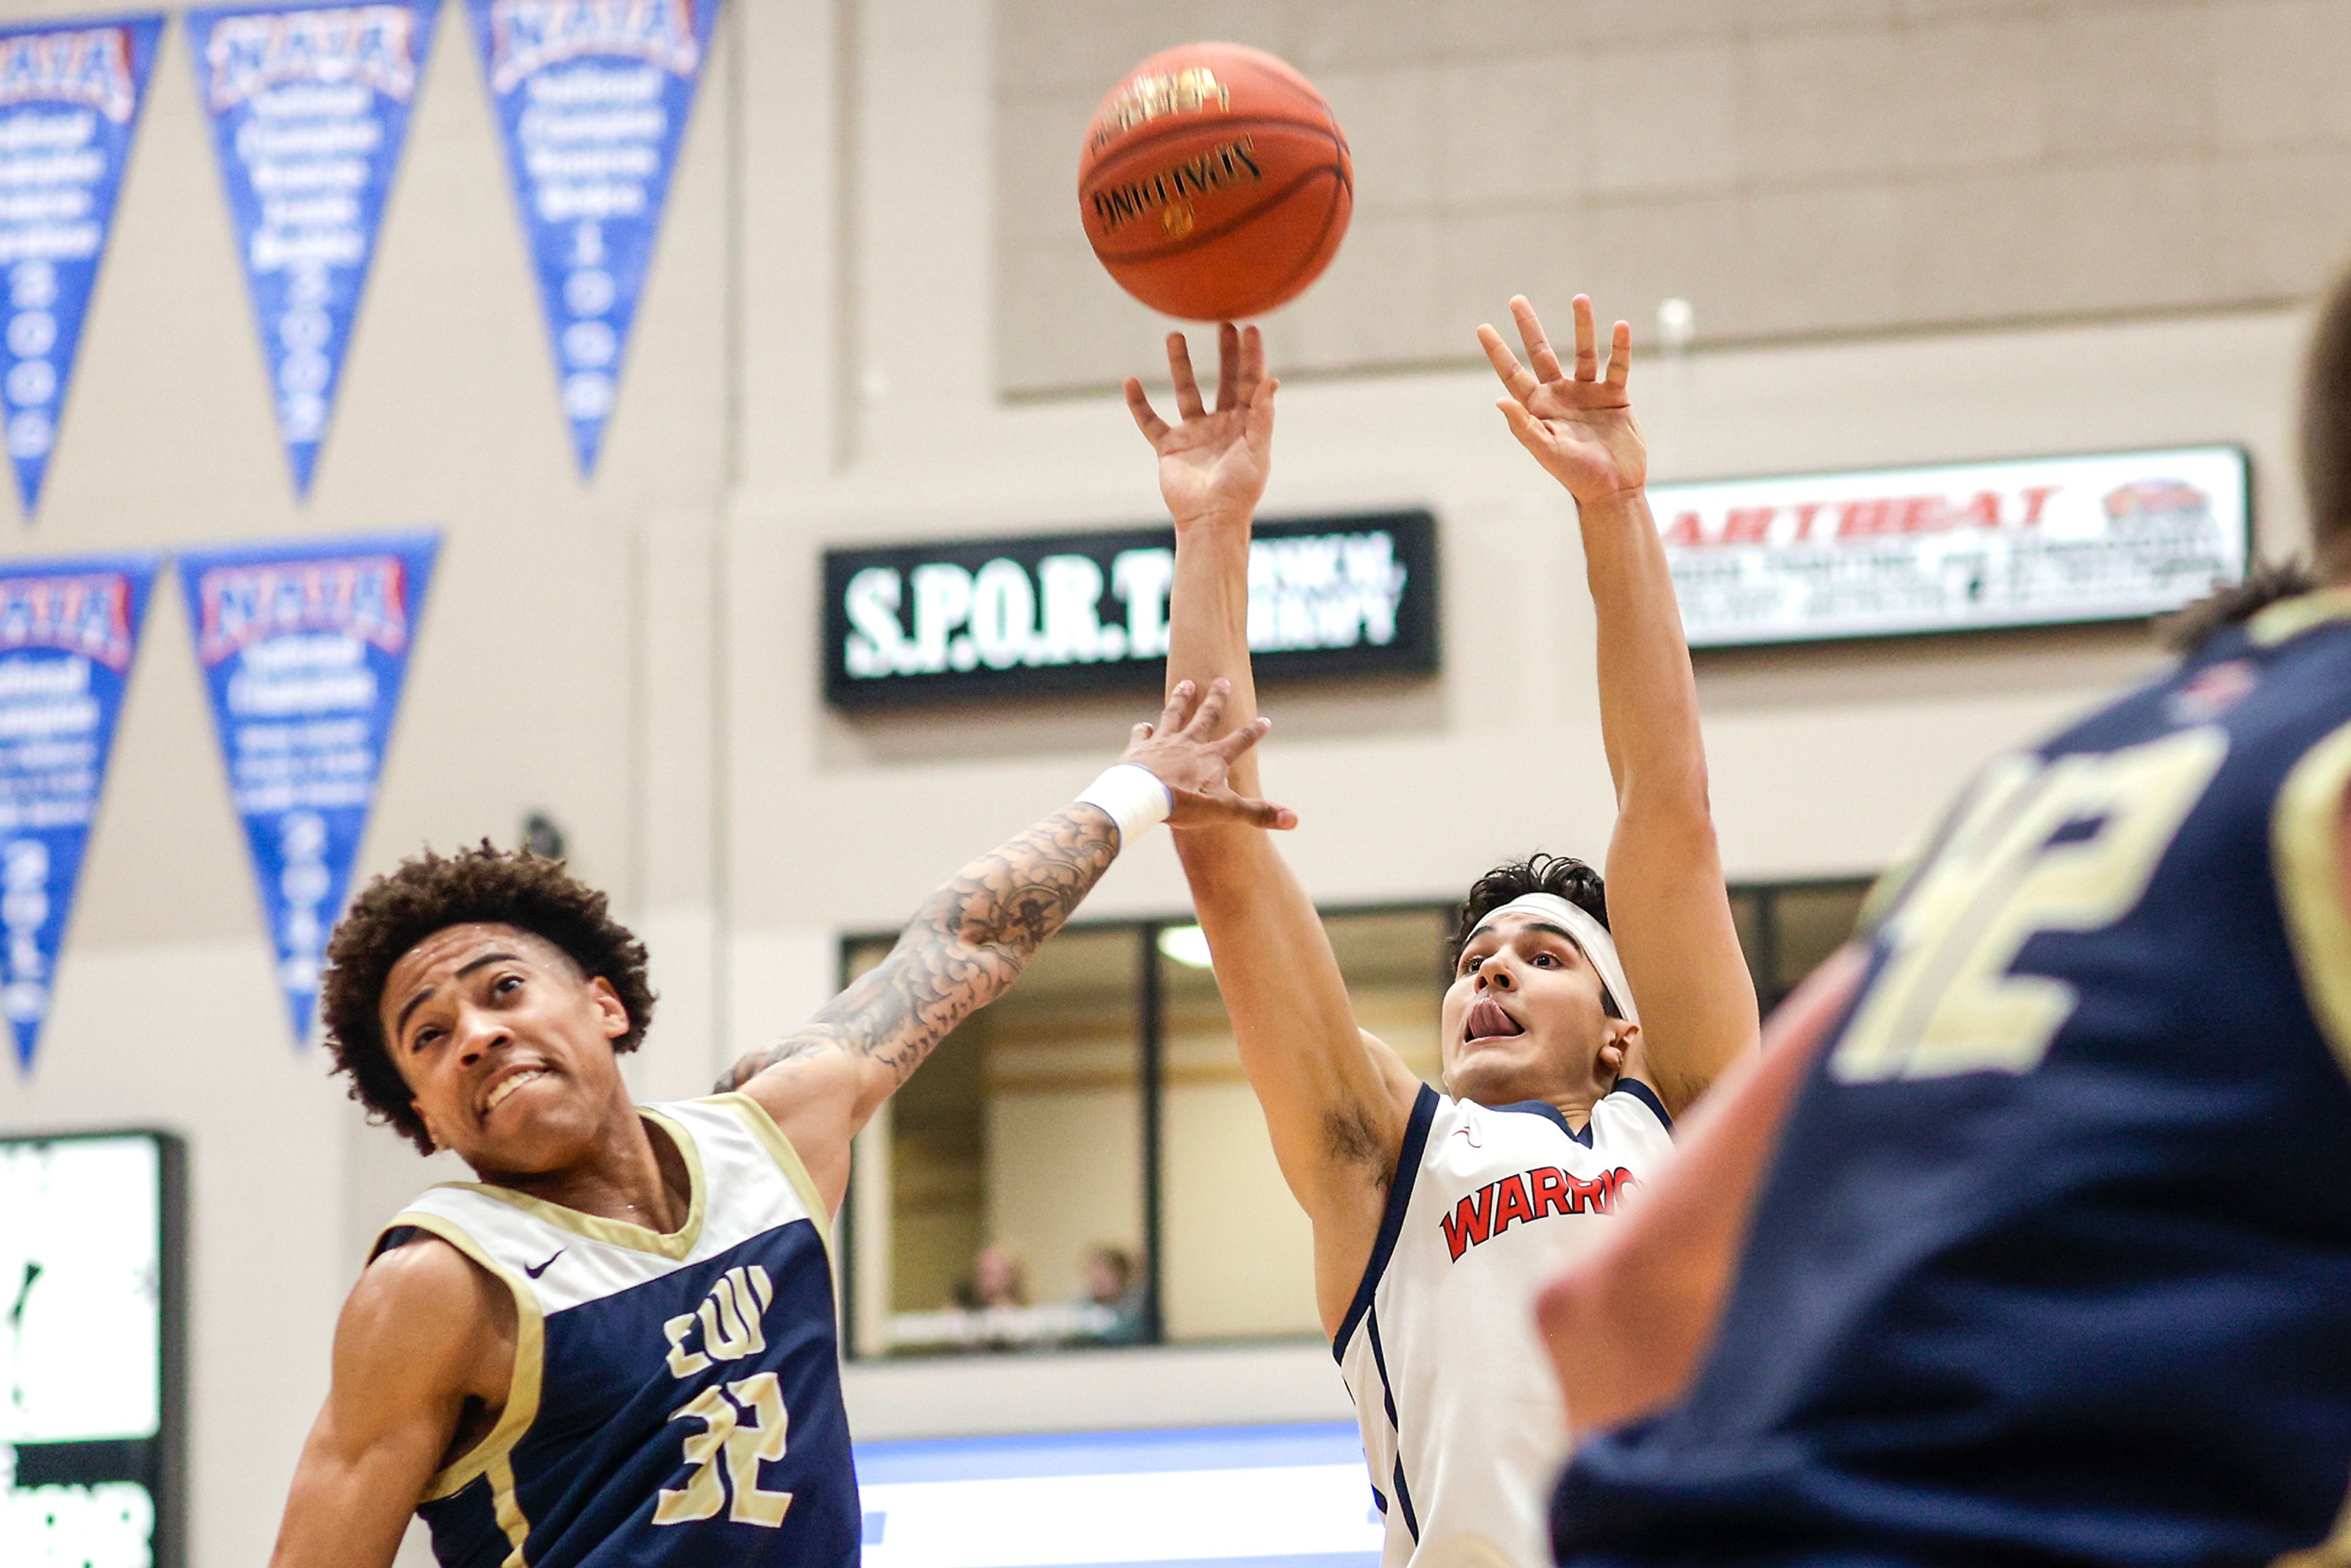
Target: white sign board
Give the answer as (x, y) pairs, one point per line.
(83, 1325)
(1975, 545)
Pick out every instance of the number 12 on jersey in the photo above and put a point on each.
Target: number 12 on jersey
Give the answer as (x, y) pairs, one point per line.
(2063, 844)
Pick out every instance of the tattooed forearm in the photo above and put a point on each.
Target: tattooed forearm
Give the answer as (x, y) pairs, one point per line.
(964, 946)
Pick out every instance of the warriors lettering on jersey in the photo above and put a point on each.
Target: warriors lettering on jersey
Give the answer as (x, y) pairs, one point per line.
(89, 67)
(364, 597)
(1531, 1195)
(368, 45)
(528, 36)
(86, 615)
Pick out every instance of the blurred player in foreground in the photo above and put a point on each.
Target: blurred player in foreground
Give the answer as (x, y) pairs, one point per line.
(1438, 1218)
(2052, 1265)
(618, 1347)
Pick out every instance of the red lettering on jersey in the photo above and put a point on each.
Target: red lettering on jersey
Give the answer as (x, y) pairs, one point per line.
(1496, 1207)
(1684, 530)
(1747, 525)
(1469, 1223)
(1510, 1203)
(1550, 1191)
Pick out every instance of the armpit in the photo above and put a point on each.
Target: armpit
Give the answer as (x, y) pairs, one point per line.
(1352, 1138)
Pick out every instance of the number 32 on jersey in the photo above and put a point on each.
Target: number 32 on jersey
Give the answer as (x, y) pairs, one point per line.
(2067, 844)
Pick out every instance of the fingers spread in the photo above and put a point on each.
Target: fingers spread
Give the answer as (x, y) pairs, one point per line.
(1620, 354)
(1524, 425)
(1587, 357)
(1264, 813)
(1514, 376)
(1531, 333)
(1146, 419)
(1211, 710)
(1187, 386)
(1241, 739)
(1179, 706)
(1229, 365)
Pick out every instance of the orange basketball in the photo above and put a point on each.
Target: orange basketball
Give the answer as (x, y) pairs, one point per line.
(1214, 183)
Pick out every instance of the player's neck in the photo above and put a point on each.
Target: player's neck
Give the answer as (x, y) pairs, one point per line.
(630, 1174)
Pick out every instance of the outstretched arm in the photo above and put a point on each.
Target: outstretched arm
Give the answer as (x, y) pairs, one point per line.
(973, 937)
(1668, 907)
(1336, 1099)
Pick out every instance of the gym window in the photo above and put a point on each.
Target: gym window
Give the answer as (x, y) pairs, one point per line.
(1082, 1165)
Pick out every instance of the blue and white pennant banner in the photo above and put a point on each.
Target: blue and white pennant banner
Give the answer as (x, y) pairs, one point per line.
(592, 97)
(69, 96)
(308, 108)
(303, 649)
(69, 633)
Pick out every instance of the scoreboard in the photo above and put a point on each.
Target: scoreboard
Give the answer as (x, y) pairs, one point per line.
(92, 1324)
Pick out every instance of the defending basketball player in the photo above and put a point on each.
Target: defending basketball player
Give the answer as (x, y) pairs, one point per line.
(2052, 1265)
(617, 1345)
(1580, 1018)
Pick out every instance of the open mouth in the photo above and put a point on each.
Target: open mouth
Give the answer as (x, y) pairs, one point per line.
(1487, 1021)
(506, 1086)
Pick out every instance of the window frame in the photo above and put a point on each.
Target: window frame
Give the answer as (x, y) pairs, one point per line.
(1150, 1035)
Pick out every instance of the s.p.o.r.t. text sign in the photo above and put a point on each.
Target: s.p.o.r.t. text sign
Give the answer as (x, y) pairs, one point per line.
(1329, 597)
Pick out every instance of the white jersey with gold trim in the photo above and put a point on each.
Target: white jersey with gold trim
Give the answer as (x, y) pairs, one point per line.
(1459, 1411)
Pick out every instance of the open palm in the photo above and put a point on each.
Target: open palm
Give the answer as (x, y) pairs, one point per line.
(1580, 427)
(1215, 462)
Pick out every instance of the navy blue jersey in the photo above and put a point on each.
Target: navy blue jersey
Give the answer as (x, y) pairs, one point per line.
(676, 1399)
(2054, 1264)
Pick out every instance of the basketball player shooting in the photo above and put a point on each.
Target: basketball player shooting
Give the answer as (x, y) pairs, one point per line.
(1436, 1217)
(617, 1345)
(2032, 1245)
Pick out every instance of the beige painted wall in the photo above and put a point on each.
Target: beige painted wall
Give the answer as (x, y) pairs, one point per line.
(818, 361)
(1800, 169)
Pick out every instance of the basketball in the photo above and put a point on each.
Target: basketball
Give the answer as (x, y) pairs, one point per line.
(1214, 183)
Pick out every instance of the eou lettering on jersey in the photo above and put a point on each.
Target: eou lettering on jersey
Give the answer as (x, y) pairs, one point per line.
(528, 36)
(86, 615)
(372, 45)
(1531, 1195)
(89, 67)
(363, 596)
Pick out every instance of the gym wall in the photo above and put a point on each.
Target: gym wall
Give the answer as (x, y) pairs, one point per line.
(863, 326)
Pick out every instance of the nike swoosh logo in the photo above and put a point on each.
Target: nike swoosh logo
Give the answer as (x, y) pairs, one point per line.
(543, 1268)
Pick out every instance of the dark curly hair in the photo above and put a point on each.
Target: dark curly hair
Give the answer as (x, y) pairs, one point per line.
(432, 893)
(2187, 630)
(1565, 875)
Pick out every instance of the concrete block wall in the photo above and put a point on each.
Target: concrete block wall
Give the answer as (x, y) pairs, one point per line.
(1798, 169)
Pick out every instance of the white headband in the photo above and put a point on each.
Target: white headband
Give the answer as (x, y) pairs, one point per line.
(1598, 947)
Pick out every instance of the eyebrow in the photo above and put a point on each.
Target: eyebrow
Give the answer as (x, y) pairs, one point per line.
(400, 1024)
(1545, 926)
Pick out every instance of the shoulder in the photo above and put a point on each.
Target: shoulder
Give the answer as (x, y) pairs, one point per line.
(1630, 1119)
(421, 1312)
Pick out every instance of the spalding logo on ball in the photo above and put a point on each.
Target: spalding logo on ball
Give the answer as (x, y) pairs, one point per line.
(1214, 183)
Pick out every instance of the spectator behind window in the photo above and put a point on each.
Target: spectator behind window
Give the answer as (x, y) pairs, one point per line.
(1111, 1285)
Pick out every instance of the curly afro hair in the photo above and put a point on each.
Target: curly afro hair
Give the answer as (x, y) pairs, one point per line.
(432, 893)
(1565, 875)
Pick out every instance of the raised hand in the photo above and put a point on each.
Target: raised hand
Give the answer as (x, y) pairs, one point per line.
(1182, 752)
(1581, 427)
(1213, 464)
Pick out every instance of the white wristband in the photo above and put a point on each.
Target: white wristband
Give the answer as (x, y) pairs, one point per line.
(1132, 796)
